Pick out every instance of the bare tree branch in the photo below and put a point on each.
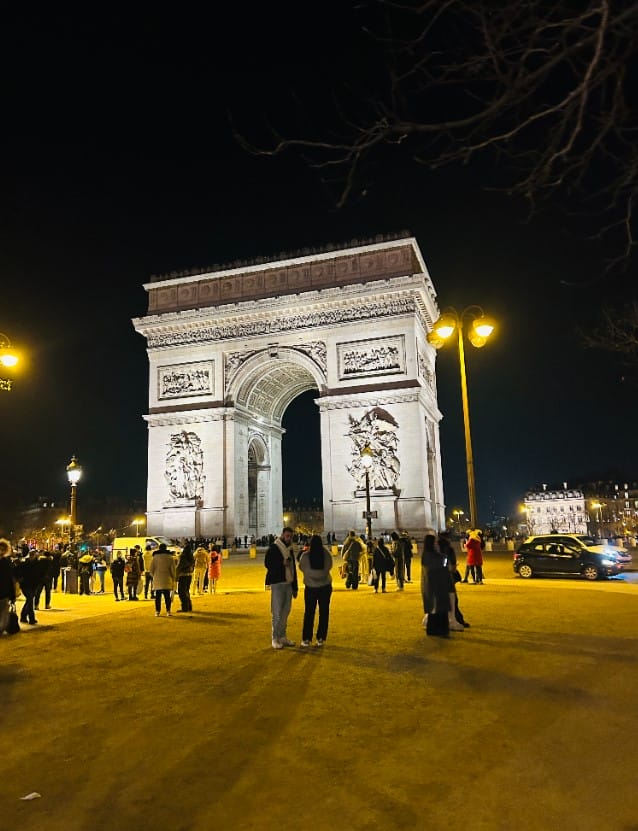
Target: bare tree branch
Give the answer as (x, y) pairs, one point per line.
(546, 87)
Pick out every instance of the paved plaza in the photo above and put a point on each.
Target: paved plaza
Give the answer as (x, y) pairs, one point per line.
(121, 720)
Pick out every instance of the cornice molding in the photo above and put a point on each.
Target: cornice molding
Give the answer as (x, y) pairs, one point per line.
(173, 334)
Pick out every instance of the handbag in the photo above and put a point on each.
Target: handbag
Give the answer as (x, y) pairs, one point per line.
(13, 626)
(372, 577)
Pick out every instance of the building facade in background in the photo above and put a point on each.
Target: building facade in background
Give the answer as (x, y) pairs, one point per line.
(556, 511)
(229, 350)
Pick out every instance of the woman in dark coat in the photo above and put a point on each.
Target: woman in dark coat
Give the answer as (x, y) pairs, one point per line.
(132, 574)
(381, 559)
(185, 569)
(28, 573)
(436, 586)
(7, 583)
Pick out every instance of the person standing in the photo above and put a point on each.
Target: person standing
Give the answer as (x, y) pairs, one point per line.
(214, 568)
(56, 557)
(7, 583)
(163, 572)
(399, 545)
(281, 576)
(132, 570)
(474, 562)
(148, 577)
(28, 575)
(455, 617)
(202, 561)
(118, 568)
(45, 561)
(185, 566)
(315, 564)
(85, 572)
(99, 566)
(407, 556)
(352, 551)
(140, 581)
(381, 559)
(435, 588)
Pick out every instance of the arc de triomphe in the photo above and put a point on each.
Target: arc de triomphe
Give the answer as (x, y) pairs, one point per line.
(229, 350)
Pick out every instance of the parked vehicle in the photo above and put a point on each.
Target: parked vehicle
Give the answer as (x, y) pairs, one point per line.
(123, 544)
(563, 554)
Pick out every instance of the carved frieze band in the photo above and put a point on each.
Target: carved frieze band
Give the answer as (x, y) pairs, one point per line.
(188, 417)
(379, 356)
(185, 380)
(277, 323)
(368, 399)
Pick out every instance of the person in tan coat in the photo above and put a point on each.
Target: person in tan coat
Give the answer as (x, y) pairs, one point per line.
(202, 561)
(163, 570)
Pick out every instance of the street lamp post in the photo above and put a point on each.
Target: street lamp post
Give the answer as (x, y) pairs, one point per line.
(137, 523)
(8, 359)
(480, 328)
(74, 473)
(63, 522)
(458, 513)
(599, 506)
(366, 461)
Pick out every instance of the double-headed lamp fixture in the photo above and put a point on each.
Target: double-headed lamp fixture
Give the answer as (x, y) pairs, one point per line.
(479, 329)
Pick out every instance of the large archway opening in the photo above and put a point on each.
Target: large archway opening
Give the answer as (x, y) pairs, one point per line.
(301, 452)
(275, 398)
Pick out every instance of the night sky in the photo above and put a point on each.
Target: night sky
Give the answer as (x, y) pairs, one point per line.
(119, 162)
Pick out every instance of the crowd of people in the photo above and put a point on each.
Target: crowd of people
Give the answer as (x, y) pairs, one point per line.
(160, 575)
(33, 574)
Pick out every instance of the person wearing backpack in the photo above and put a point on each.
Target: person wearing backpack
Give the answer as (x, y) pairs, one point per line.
(351, 552)
(400, 545)
(381, 559)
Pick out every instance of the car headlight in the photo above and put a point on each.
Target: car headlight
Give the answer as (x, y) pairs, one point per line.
(609, 562)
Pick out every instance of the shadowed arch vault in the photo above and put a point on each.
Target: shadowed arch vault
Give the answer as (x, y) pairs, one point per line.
(228, 353)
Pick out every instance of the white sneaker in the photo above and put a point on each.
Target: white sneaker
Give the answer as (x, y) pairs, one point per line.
(319, 643)
(277, 644)
(156, 614)
(455, 626)
(286, 642)
(305, 643)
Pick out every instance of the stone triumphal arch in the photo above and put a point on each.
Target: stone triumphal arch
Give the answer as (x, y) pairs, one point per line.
(230, 349)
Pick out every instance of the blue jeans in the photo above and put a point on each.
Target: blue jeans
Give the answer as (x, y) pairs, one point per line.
(280, 605)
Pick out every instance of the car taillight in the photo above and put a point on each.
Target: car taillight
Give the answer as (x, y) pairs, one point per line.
(516, 555)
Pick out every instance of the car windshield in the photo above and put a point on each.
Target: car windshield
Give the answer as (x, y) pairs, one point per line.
(167, 540)
(586, 540)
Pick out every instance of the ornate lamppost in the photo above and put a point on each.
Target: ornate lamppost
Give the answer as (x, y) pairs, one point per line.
(8, 359)
(74, 474)
(63, 522)
(479, 329)
(458, 513)
(599, 506)
(366, 461)
(137, 522)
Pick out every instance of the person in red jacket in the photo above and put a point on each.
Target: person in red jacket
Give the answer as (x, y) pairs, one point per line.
(474, 550)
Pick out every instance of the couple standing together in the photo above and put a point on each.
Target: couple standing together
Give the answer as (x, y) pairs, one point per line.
(281, 576)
